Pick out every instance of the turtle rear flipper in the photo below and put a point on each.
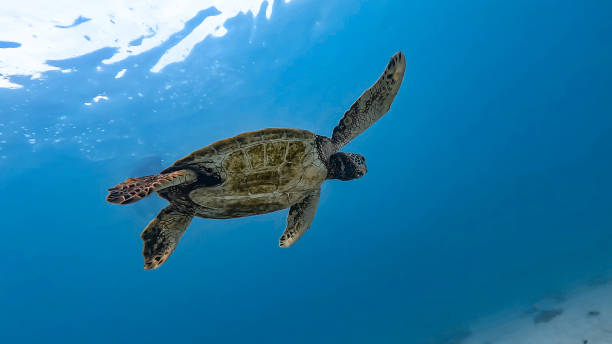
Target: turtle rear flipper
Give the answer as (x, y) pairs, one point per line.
(134, 189)
(162, 235)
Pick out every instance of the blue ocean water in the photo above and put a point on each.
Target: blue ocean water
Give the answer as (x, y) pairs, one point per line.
(488, 184)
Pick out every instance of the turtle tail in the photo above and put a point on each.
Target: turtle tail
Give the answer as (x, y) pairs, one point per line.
(135, 189)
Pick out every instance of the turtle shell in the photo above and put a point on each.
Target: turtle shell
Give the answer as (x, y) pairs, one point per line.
(262, 171)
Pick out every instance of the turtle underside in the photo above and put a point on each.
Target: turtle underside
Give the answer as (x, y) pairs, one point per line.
(253, 173)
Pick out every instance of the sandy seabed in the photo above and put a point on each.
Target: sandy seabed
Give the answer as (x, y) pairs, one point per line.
(582, 317)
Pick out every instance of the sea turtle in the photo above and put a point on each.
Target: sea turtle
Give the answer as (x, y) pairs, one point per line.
(258, 172)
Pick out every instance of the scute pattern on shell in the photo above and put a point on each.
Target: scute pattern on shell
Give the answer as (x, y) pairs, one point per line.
(262, 171)
(243, 140)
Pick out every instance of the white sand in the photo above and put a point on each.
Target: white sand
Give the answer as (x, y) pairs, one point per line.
(573, 326)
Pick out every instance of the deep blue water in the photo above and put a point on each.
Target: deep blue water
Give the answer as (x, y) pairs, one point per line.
(488, 187)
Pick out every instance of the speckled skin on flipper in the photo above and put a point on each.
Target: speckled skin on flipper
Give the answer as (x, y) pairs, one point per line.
(162, 235)
(258, 172)
(372, 104)
(134, 189)
(299, 219)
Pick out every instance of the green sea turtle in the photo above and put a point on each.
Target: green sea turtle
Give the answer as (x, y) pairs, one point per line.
(258, 172)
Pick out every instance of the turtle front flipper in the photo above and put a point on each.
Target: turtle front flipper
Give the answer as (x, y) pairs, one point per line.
(300, 218)
(134, 189)
(372, 104)
(162, 235)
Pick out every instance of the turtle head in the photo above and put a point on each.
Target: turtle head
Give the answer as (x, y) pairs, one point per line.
(346, 166)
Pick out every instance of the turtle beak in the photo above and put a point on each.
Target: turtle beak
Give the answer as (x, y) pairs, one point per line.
(361, 171)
